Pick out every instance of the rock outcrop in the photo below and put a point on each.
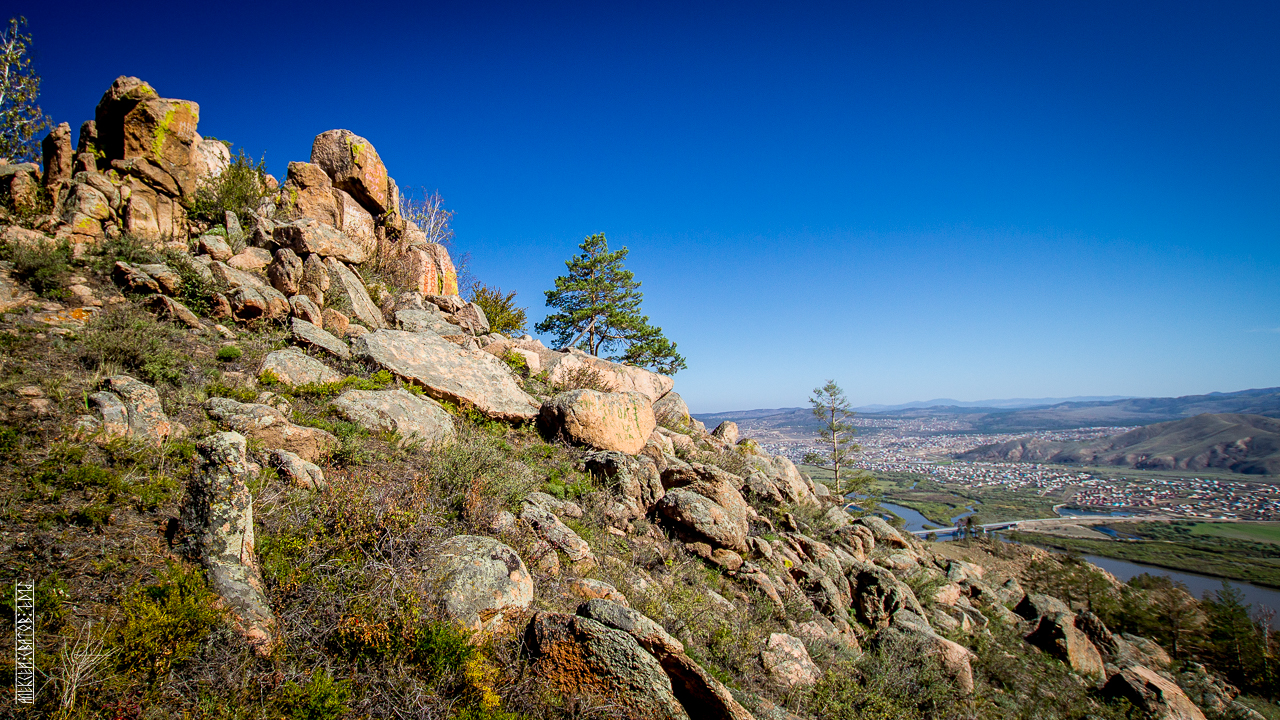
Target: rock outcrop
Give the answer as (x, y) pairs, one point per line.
(482, 584)
(619, 421)
(412, 418)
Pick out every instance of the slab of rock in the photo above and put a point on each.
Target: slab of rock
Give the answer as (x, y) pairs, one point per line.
(301, 307)
(579, 656)
(619, 421)
(354, 166)
(472, 319)
(481, 583)
(308, 193)
(128, 407)
(250, 259)
(162, 132)
(58, 156)
(697, 518)
(170, 282)
(265, 423)
(285, 272)
(304, 333)
(1158, 697)
(1034, 606)
(307, 236)
(1057, 635)
(345, 283)
(355, 222)
(468, 378)
(620, 378)
(413, 418)
(217, 519)
(426, 321)
(167, 307)
(297, 471)
(787, 663)
(215, 246)
(561, 536)
(133, 279)
(292, 366)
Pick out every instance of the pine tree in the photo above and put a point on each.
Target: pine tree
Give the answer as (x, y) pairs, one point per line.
(836, 433)
(20, 118)
(599, 311)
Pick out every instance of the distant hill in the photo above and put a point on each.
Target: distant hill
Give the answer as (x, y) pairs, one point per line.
(1223, 441)
(1075, 413)
(1010, 403)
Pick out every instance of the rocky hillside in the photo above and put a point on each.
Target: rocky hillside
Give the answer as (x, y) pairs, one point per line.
(1238, 443)
(263, 461)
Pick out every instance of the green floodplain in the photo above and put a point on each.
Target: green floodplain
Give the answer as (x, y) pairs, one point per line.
(1241, 551)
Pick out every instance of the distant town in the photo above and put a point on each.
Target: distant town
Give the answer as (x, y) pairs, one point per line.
(925, 446)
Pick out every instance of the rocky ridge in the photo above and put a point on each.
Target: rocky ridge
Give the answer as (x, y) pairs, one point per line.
(544, 570)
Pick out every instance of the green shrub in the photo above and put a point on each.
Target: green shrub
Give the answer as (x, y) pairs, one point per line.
(380, 380)
(516, 361)
(501, 310)
(239, 189)
(227, 353)
(126, 247)
(235, 392)
(164, 623)
(134, 341)
(584, 378)
(197, 291)
(322, 698)
(44, 267)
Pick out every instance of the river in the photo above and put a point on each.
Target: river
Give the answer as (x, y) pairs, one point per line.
(1197, 584)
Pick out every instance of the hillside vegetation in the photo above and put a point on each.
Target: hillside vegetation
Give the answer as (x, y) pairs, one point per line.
(262, 460)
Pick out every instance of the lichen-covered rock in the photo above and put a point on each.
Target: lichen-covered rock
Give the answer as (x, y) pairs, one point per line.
(304, 333)
(619, 378)
(167, 307)
(883, 532)
(469, 378)
(307, 236)
(308, 193)
(671, 411)
(579, 656)
(354, 166)
(787, 663)
(1034, 606)
(128, 407)
(878, 595)
(695, 517)
(1057, 635)
(58, 155)
(561, 536)
(414, 320)
(701, 695)
(634, 477)
(133, 279)
(1158, 697)
(346, 284)
(481, 583)
(169, 281)
(265, 423)
(162, 132)
(285, 272)
(726, 431)
(297, 471)
(217, 517)
(250, 259)
(301, 307)
(606, 421)
(292, 366)
(414, 419)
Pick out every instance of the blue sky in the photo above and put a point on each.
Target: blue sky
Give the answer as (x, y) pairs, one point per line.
(920, 200)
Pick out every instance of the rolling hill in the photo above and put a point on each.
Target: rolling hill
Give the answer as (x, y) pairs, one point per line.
(1239, 443)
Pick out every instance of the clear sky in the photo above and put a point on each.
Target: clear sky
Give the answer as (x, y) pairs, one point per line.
(920, 200)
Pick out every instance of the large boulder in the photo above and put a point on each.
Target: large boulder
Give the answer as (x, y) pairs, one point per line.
(127, 407)
(121, 98)
(265, 423)
(671, 411)
(619, 378)
(468, 378)
(292, 366)
(308, 193)
(481, 583)
(344, 283)
(307, 236)
(619, 421)
(1158, 697)
(701, 694)
(411, 417)
(217, 519)
(162, 132)
(697, 518)
(1034, 606)
(1058, 635)
(354, 166)
(787, 663)
(58, 157)
(578, 656)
